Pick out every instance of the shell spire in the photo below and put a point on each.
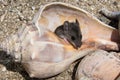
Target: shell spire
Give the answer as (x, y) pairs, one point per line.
(12, 45)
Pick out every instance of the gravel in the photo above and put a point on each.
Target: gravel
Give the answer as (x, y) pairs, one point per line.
(13, 13)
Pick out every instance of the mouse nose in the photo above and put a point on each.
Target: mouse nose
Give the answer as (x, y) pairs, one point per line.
(78, 44)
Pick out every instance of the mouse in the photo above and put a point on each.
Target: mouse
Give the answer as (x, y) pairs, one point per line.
(71, 32)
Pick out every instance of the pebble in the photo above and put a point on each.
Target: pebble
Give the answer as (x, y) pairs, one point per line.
(4, 2)
(92, 7)
(115, 3)
(3, 16)
(77, 0)
(33, 8)
(4, 69)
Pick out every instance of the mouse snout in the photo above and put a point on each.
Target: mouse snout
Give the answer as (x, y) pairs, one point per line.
(79, 44)
(76, 42)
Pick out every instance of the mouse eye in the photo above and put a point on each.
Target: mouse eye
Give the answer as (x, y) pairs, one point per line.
(73, 38)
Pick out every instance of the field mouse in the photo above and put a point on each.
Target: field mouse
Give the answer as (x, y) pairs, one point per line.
(71, 32)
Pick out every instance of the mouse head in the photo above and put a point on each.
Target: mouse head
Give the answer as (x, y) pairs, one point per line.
(72, 33)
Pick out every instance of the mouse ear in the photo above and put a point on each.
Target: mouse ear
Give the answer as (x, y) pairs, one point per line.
(66, 25)
(77, 22)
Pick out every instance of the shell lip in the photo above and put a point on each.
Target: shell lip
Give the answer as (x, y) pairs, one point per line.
(42, 8)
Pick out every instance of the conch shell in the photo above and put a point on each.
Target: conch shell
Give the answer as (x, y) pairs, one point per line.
(43, 54)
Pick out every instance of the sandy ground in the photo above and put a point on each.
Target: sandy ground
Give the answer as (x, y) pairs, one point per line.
(15, 12)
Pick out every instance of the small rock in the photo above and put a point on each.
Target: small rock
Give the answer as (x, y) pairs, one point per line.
(115, 3)
(33, 8)
(3, 16)
(4, 69)
(4, 2)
